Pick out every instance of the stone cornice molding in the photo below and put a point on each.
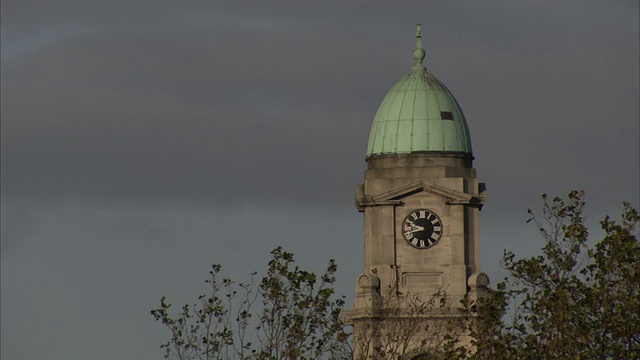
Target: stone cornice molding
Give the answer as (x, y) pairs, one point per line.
(393, 197)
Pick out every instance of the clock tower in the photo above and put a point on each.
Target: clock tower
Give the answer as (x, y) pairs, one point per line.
(420, 201)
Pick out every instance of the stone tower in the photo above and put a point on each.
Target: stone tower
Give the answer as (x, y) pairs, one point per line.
(420, 200)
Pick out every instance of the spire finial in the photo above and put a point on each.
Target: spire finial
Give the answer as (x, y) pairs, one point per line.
(418, 53)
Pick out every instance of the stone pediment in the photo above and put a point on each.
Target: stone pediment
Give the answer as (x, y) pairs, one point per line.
(395, 196)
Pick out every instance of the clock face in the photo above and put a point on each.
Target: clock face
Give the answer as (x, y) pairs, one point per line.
(422, 228)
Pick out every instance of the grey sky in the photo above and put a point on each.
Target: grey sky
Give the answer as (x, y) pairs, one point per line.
(144, 140)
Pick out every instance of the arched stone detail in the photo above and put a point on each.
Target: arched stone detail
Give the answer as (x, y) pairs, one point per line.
(364, 280)
(478, 279)
(368, 281)
(478, 284)
(368, 292)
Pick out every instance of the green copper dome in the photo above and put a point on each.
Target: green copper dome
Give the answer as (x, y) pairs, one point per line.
(418, 115)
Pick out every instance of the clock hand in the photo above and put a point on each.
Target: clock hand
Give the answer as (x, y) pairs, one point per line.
(417, 228)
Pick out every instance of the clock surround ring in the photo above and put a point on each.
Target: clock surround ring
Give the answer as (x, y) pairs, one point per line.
(422, 228)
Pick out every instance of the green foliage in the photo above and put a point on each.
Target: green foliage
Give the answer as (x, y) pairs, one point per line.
(299, 317)
(399, 325)
(573, 301)
(577, 300)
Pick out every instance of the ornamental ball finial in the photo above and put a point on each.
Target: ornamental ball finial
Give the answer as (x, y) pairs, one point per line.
(418, 53)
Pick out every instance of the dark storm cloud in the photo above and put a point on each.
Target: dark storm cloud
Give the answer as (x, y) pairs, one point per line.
(270, 100)
(128, 126)
(154, 115)
(177, 102)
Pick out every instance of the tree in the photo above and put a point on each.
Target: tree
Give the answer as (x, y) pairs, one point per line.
(403, 325)
(575, 301)
(299, 317)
